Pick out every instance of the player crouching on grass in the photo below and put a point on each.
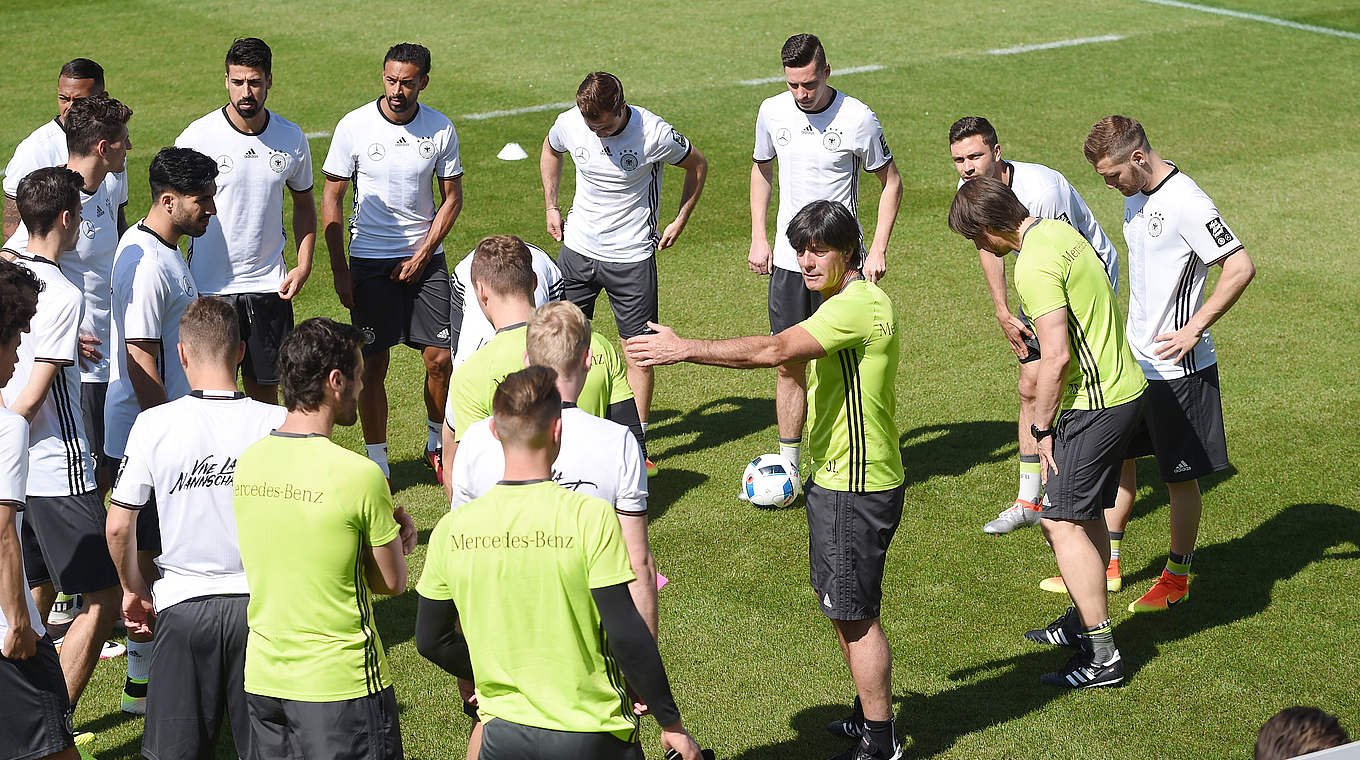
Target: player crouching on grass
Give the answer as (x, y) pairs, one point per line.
(854, 497)
(1088, 397)
(538, 577)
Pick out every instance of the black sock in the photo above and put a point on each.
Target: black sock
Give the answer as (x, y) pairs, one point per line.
(879, 734)
(858, 713)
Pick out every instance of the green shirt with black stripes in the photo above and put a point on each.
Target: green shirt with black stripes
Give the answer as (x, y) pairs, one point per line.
(852, 398)
(1059, 269)
(307, 510)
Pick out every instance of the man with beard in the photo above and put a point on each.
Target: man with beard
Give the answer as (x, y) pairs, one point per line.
(259, 154)
(46, 145)
(396, 281)
(316, 677)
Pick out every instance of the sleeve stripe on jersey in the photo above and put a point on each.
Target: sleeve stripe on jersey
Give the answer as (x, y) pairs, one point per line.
(70, 436)
(452, 176)
(58, 362)
(334, 178)
(761, 161)
(1220, 259)
(688, 151)
(125, 505)
(17, 506)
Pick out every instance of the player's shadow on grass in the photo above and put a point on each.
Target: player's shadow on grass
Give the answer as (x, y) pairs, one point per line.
(954, 448)
(712, 424)
(668, 487)
(396, 616)
(1232, 583)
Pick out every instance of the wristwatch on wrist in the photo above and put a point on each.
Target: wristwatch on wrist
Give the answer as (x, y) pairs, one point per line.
(1038, 434)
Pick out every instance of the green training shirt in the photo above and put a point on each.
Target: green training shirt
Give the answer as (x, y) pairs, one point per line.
(306, 510)
(519, 563)
(475, 381)
(1059, 269)
(852, 438)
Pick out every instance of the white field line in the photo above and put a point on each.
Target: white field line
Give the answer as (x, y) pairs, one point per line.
(1058, 44)
(516, 111)
(314, 135)
(851, 70)
(1258, 17)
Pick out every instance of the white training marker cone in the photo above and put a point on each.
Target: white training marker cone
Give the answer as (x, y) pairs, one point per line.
(512, 152)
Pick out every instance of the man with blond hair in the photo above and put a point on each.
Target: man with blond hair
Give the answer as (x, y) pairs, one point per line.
(1174, 234)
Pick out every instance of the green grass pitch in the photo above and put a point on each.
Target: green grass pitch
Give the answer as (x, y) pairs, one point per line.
(1260, 114)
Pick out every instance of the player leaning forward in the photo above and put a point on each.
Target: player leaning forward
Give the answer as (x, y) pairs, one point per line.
(851, 345)
(316, 674)
(1088, 400)
(259, 155)
(1174, 233)
(182, 454)
(396, 281)
(610, 239)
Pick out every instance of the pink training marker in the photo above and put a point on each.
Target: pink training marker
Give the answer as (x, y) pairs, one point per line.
(661, 581)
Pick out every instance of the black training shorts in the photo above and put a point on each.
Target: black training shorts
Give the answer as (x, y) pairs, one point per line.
(389, 313)
(848, 537)
(1183, 426)
(33, 706)
(504, 740)
(790, 301)
(364, 728)
(631, 288)
(1089, 447)
(264, 319)
(70, 534)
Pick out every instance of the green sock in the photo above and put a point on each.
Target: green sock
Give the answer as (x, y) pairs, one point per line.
(1179, 564)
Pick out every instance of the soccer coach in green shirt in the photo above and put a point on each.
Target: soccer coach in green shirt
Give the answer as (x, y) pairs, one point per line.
(854, 497)
(1089, 397)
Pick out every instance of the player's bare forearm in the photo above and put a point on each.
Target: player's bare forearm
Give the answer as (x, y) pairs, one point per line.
(994, 272)
(550, 173)
(753, 351)
(696, 174)
(1054, 355)
(333, 221)
(11, 217)
(450, 447)
(1238, 272)
(13, 584)
(889, 201)
(762, 189)
(144, 373)
(304, 228)
(121, 534)
(30, 399)
(451, 190)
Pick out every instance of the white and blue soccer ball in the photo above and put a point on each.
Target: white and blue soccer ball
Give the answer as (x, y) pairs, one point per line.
(770, 480)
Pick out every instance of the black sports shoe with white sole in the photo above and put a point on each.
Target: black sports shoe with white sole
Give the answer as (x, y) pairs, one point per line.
(1082, 672)
(849, 727)
(1062, 632)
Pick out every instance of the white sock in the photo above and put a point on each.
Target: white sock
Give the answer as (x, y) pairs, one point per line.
(644, 426)
(792, 450)
(139, 660)
(433, 442)
(1031, 483)
(378, 453)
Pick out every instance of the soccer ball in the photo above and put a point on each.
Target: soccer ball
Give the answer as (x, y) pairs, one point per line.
(770, 480)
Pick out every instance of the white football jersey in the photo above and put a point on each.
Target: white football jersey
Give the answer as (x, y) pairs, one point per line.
(1174, 232)
(184, 454)
(13, 483)
(242, 251)
(151, 289)
(598, 457)
(821, 154)
(1047, 194)
(44, 147)
(392, 167)
(90, 266)
(59, 461)
(476, 329)
(617, 205)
